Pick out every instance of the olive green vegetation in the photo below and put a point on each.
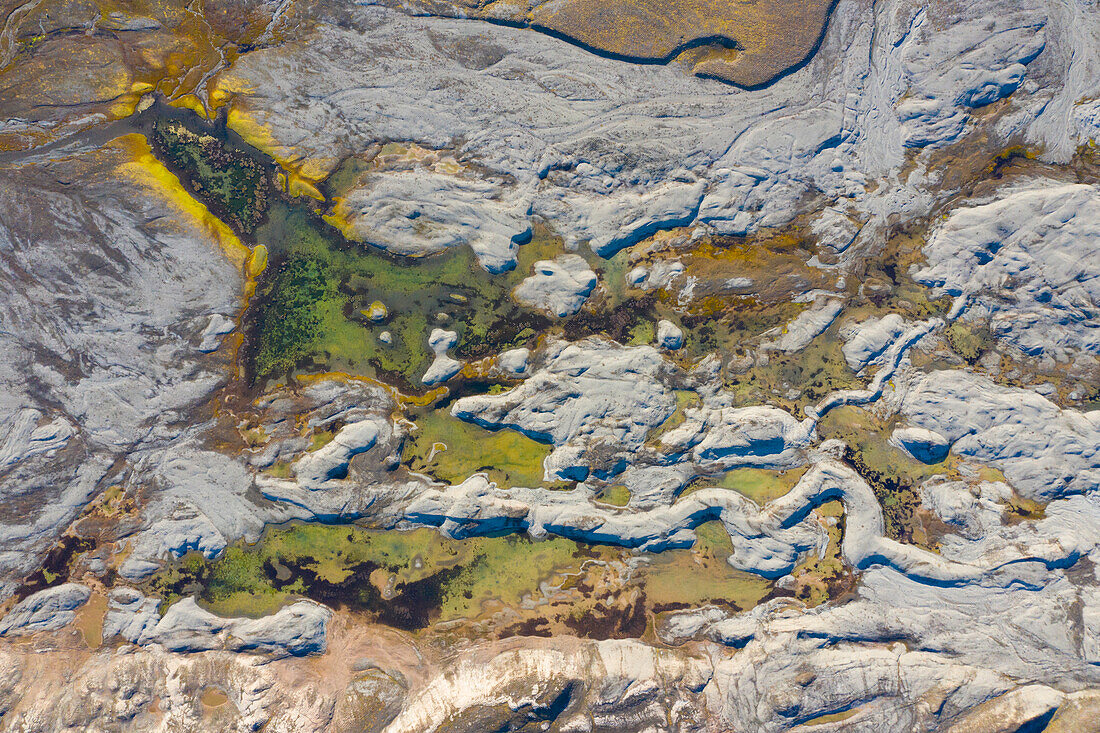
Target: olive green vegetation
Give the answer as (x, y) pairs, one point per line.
(230, 181)
(701, 575)
(429, 577)
(813, 373)
(313, 306)
(760, 484)
(891, 473)
(615, 495)
(411, 579)
(685, 400)
(450, 450)
(969, 341)
(818, 579)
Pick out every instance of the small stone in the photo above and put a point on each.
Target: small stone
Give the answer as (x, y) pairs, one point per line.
(669, 335)
(376, 312)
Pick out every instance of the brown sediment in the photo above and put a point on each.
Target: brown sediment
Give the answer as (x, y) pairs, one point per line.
(747, 44)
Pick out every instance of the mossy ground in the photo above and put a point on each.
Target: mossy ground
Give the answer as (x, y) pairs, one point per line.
(892, 474)
(415, 579)
(230, 181)
(406, 579)
(701, 575)
(451, 450)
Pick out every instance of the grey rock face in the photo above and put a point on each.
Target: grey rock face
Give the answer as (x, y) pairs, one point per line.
(46, 610)
(421, 211)
(1043, 238)
(100, 364)
(559, 286)
(443, 367)
(589, 395)
(669, 335)
(869, 339)
(1044, 451)
(807, 326)
(296, 630)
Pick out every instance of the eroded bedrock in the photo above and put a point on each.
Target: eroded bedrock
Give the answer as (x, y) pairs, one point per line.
(748, 44)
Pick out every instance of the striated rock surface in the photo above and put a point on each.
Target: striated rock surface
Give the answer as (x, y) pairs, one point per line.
(46, 610)
(1028, 262)
(851, 485)
(594, 401)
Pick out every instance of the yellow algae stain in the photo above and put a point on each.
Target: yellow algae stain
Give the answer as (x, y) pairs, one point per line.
(127, 102)
(338, 217)
(193, 103)
(303, 173)
(257, 261)
(89, 620)
(145, 169)
(299, 186)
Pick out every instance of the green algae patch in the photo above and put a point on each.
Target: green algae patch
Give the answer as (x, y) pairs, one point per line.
(403, 579)
(759, 484)
(891, 473)
(615, 495)
(230, 181)
(793, 381)
(325, 290)
(504, 570)
(415, 579)
(685, 400)
(701, 575)
(451, 450)
(970, 341)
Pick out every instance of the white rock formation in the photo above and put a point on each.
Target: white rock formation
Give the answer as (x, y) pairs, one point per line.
(24, 437)
(728, 437)
(669, 335)
(421, 212)
(865, 342)
(443, 367)
(807, 325)
(295, 630)
(588, 396)
(47, 610)
(331, 460)
(1030, 260)
(559, 286)
(216, 329)
(659, 274)
(514, 362)
(1044, 451)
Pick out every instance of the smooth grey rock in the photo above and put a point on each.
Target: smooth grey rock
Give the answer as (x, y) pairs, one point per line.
(47, 610)
(924, 445)
(1043, 237)
(215, 330)
(514, 362)
(443, 367)
(331, 460)
(669, 335)
(1044, 451)
(866, 341)
(130, 614)
(422, 211)
(559, 286)
(594, 400)
(296, 630)
(807, 325)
